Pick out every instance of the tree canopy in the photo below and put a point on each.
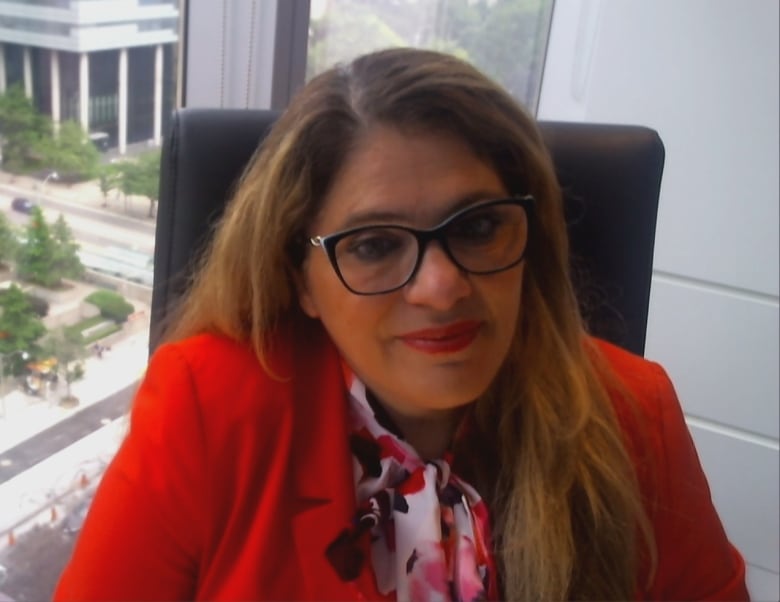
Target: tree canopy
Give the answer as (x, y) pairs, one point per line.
(70, 152)
(66, 258)
(22, 130)
(503, 38)
(140, 176)
(8, 242)
(49, 254)
(66, 345)
(20, 328)
(30, 143)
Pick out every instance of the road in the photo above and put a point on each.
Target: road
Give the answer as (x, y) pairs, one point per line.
(90, 226)
(55, 438)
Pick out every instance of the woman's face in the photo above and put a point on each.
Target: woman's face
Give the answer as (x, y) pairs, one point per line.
(436, 343)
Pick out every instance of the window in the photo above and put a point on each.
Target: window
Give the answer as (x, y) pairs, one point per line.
(86, 89)
(506, 39)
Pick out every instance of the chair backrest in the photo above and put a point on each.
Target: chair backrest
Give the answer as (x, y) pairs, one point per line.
(610, 175)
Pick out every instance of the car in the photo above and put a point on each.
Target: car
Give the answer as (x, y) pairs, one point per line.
(22, 205)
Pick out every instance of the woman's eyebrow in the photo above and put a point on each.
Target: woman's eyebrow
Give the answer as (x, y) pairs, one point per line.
(382, 216)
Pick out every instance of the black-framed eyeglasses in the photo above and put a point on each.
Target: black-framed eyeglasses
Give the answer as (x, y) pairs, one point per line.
(486, 238)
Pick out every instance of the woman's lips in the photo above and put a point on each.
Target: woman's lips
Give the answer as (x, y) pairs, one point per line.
(446, 339)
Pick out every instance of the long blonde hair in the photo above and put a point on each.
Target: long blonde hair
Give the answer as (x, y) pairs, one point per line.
(555, 469)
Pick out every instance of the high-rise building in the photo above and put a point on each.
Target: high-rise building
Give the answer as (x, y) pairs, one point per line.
(107, 64)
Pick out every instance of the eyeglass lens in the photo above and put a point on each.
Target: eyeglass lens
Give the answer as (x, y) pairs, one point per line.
(482, 240)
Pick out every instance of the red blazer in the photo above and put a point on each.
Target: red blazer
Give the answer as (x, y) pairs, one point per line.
(232, 482)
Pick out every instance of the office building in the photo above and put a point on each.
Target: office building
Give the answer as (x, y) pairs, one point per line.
(108, 64)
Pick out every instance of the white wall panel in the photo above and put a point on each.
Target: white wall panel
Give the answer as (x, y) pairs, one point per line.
(705, 74)
(763, 585)
(721, 351)
(746, 495)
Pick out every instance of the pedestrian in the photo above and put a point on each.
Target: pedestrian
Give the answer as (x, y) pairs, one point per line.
(380, 387)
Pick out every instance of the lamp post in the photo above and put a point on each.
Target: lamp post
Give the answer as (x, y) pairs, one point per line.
(24, 355)
(53, 175)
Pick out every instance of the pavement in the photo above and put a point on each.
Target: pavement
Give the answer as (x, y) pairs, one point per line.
(26, 415)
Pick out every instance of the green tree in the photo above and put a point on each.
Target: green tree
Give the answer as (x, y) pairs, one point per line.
(504, 38)
(37, 256)
(521, 26)
(142, 177)
(66, 250)
(66, 345)
(22, 130)
(70, 152)
(8, 242)
(353, 28)
(20, 329)
(109, 178)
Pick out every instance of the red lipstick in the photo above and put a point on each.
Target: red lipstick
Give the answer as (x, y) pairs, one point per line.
(446, 339)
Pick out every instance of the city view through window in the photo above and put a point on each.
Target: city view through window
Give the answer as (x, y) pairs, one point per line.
(506, 39)
(86, 88)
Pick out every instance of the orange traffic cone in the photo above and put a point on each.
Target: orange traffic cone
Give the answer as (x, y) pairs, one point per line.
(53, 513)
(11, 538)
(84, 481)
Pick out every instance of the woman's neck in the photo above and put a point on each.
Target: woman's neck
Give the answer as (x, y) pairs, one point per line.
(430, 435)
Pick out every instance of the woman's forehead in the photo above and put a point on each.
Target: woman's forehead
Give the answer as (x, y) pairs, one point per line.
(406, 177)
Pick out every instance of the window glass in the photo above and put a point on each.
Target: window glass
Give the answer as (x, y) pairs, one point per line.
(506, 39)
(80, 133)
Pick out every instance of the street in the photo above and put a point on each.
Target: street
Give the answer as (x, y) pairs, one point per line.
(89, 225)
(57, 437)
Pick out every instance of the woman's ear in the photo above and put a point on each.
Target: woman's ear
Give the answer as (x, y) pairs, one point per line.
(305, 298)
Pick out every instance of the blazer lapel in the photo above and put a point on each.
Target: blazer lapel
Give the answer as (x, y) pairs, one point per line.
(324, 490)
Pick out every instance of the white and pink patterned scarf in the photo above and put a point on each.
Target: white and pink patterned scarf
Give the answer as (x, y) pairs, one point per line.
(428, 530)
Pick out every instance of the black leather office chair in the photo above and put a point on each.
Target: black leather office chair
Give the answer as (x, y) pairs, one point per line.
(611, 176)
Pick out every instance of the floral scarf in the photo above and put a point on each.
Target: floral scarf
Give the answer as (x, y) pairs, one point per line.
(425, 530)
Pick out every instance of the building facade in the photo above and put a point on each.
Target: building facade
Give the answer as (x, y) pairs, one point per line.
(108, 64)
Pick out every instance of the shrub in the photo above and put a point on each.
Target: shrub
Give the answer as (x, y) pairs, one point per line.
(112, 306)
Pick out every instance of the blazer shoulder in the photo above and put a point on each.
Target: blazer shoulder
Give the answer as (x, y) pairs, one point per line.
(208, 348)
(227, 381)
(637, 382)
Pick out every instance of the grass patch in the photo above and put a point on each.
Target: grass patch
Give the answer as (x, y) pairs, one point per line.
(94, 334)
(87, 323)
(102, 333)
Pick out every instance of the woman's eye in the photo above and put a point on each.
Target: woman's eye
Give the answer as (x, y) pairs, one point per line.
(476, 228)
(372, 247)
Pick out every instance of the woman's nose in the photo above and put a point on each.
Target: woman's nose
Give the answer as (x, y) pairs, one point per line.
(438, 282)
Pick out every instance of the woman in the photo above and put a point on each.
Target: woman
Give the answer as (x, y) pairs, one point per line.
(379, 385)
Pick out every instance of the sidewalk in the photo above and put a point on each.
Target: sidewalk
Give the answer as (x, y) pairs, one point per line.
(27, 415)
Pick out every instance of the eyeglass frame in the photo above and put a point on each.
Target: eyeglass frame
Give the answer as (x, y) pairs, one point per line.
(424, 236)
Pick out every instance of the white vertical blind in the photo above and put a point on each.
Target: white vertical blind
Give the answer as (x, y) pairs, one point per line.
(244, 53)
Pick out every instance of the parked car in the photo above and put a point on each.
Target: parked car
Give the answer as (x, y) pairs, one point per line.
(22, 205)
